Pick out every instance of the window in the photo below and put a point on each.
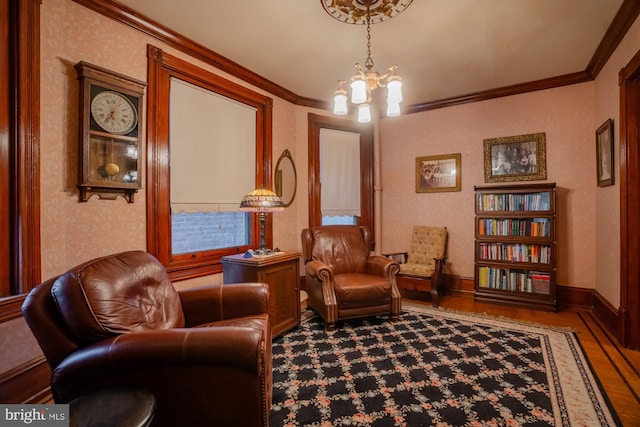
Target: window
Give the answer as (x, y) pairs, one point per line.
(339, 176)
(211, 138)
(209, 143)
(340, 151)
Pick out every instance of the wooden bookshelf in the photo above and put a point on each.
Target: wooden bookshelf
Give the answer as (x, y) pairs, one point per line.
(515, 245)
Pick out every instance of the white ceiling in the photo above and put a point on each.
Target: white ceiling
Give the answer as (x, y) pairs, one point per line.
(443, 48)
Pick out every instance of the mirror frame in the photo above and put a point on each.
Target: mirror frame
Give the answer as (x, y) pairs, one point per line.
(277, 178)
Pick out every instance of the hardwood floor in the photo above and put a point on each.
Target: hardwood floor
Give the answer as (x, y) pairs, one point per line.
(617, 368)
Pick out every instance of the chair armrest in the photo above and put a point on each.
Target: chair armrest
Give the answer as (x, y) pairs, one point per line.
(438, 273)
(221, 347)
(381, 266)
(211, 303)
(399, 257)
(319, 271)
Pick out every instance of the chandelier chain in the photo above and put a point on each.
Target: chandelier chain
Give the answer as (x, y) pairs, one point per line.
(369, 62)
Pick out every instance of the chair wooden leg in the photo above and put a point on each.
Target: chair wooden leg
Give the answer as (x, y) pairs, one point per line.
(435, 297)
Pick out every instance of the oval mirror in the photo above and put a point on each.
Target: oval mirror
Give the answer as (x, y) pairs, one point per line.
(285, 178)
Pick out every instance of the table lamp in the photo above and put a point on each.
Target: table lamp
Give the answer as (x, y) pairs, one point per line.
(262, 201)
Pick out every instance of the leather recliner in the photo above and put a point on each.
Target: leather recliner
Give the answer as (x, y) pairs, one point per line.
(117, 321)
(342, 278)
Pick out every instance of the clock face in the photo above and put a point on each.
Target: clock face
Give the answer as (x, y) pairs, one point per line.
(114, 112)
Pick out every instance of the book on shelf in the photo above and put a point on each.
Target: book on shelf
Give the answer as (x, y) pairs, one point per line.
(540, 282)
(514, 280)
(515, 252)
(514, 202)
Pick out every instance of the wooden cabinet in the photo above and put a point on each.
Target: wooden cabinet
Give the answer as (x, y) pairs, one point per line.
(282, 273)
(515, 245)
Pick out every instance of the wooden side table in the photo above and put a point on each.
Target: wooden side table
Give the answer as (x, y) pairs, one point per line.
(282, 273)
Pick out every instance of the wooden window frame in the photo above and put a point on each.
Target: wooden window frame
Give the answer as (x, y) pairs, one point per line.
(317, 122)
(162, 67)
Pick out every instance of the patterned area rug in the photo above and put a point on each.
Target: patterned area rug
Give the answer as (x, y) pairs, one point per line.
(434, 368)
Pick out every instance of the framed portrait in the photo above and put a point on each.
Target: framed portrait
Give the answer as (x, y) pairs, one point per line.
(438, 174)
(515, 158)
(604, 154)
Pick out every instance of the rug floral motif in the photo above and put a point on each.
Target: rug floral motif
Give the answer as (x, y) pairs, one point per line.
(434, 368)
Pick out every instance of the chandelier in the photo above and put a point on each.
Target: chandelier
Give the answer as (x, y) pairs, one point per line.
(366, 79)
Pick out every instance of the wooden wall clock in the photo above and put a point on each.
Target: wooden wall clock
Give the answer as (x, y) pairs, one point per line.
(111, 121)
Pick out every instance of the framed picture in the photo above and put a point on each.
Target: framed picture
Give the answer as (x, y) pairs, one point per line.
(515, 158)
(604, 154)
(437, 174)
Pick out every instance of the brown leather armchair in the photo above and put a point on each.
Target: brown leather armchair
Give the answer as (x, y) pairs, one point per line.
(343, 280)
(117, 321)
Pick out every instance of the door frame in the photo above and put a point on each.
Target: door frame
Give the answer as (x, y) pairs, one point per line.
(629, 314)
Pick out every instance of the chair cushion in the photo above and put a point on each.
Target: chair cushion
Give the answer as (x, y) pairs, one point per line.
(356, 290)
(427, 243)
(420, 270)
(117, 294)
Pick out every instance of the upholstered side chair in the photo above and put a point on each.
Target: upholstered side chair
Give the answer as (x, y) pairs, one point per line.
(117, 321)
(422, 268)
(342, 278)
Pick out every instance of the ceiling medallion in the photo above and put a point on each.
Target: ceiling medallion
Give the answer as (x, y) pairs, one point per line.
(355, 11)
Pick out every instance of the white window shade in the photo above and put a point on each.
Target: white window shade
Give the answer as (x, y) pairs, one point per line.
(212, 143)
(339, 173)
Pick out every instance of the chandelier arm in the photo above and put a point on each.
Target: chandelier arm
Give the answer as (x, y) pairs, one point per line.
(383, 79)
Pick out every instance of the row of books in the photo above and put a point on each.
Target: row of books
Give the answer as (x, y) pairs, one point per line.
(515, 252)
(514, 280)
(514, 202)
(536, 227)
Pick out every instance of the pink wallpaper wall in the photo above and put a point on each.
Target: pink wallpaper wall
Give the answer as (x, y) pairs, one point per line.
(608, 198)
(73, 232)
(564, 114)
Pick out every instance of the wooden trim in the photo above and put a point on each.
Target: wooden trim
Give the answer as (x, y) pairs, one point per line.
(567, 79)
(11, 308)
(26, 218)
(22, 131)
(27, 383)
(629, 78)
(606, 313)
(26, 186)
(573, 298)
(457, 285)
(626, 16)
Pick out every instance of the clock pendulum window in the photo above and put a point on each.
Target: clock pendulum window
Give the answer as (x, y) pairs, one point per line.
(110, 131)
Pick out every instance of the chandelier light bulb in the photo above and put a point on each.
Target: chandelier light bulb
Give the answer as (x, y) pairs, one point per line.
(340, 102)
(393, 109)
(364, 113)
(358, 90)
(394, 90)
